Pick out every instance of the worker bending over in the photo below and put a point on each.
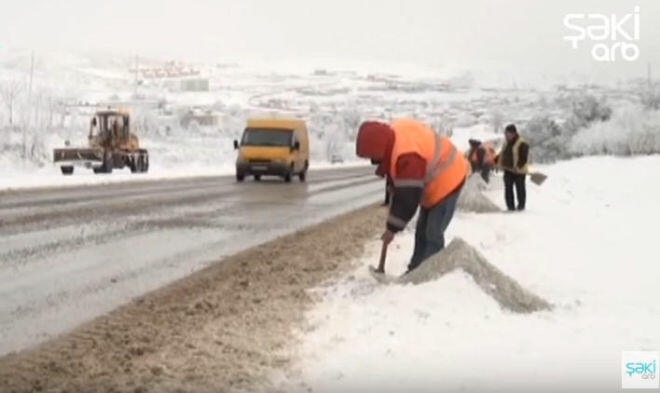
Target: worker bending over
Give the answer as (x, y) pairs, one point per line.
(425, 169)
(482, 158)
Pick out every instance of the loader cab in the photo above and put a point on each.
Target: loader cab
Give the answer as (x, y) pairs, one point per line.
(277, 147)
(110, 127)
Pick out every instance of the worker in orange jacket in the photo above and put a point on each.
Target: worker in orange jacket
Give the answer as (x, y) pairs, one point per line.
(425, 169)
(482, 158)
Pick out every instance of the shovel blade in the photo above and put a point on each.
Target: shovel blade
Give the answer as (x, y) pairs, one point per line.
(537, 178)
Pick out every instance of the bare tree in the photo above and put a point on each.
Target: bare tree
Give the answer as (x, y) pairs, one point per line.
(9, 91)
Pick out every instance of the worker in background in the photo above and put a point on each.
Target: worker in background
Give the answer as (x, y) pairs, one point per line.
(513, 159)
(482, 158)
(426, 170)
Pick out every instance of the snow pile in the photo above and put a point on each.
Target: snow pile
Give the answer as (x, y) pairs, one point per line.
(472, 198)
(458, 254)
(449, 334)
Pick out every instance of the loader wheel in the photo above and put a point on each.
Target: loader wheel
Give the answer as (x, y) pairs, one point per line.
(107, 163)
(66, 170)
(140, 166)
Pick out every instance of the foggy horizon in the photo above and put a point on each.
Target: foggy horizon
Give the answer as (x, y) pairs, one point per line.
(509, 36)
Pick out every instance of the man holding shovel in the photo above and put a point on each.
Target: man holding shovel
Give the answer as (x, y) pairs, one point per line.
(513, 159)
(426, 170)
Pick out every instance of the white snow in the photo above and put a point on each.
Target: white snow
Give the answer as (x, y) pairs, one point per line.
(50, 176)
(587, 244)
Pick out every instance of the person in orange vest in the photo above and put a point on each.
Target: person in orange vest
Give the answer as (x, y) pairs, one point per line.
(482, 158)
(426, 171)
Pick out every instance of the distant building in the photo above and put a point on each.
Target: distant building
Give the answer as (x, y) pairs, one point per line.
(195, 84)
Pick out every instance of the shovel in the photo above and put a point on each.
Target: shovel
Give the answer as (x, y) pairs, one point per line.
(383, 256)
(536, 177)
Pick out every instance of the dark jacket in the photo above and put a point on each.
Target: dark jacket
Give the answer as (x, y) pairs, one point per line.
(505, 158)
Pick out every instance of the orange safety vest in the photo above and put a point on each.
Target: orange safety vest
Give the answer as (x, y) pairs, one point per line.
(489, 154)
(446, 167)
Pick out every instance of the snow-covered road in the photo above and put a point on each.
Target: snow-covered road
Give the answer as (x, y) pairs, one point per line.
(69, 254)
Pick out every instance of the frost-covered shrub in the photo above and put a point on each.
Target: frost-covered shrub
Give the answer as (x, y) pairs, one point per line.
(551, 141)
(546, 139)
(650, 98)
(586, 110)
(631, 130)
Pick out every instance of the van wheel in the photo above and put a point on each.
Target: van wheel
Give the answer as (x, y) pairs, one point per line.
(67, 170)
(257, 177)
(240, 177)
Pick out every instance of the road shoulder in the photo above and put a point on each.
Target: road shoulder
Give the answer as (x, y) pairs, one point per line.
(226, 327)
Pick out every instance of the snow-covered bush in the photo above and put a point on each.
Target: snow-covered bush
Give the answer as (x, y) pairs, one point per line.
(586, 110)
(551, 141)
(631, 130)
(546, 138)
(650, 98)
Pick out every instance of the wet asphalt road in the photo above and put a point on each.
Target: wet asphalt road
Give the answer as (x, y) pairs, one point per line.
(70, 254)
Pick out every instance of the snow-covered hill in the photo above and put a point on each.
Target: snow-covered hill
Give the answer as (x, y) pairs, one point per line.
(561, 121)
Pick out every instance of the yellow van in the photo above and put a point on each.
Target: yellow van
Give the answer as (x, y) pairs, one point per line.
(277, 147)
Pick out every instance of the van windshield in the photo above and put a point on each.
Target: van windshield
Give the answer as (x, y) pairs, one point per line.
(267, 137)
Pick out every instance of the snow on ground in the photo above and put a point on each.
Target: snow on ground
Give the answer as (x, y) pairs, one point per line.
(586, 243)
(50, 176)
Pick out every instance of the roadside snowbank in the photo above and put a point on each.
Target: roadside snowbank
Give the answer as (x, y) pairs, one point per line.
(50, 176)
(585, 244)
(473, 199)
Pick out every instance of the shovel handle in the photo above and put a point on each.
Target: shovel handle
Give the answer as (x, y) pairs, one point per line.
(383, 256)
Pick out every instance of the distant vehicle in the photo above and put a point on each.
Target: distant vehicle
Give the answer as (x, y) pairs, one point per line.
(277, 147)
(111, 145)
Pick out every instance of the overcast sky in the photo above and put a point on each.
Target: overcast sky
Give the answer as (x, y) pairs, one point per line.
(495, 34)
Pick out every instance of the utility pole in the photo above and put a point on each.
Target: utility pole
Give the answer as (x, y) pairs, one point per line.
(29, 106)
(137, 68)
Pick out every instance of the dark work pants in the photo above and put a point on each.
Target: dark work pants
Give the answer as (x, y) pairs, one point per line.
(516, 180)
(388, 190)
(430, 231)
(484, 171)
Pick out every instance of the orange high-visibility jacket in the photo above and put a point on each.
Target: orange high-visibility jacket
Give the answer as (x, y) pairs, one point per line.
(446, 167)
(489, 154)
